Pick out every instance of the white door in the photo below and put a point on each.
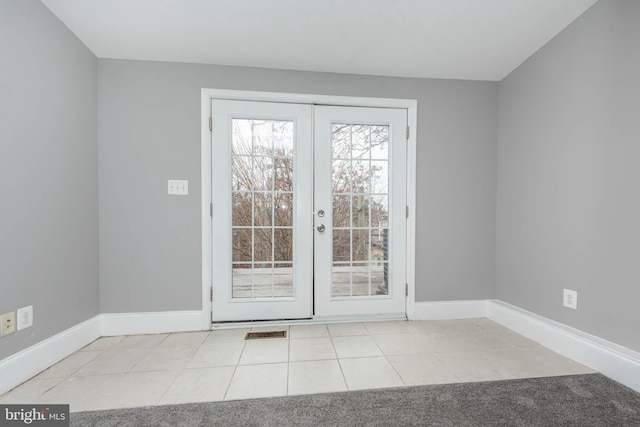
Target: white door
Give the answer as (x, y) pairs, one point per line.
(308, 202)
(262, 210)
(360, 201)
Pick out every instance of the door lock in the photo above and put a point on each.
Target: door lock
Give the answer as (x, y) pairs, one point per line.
(321, 228)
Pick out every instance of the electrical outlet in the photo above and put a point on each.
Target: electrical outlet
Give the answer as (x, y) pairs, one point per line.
(24, 317)
(570, 299)
(7, 323)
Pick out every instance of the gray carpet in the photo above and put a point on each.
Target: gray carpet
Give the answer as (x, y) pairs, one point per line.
(578, 400)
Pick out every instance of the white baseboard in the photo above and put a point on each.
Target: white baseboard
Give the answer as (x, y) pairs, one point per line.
(616, 362)
(150, 323)
(612, 360)
(442, 310)
(19, 367)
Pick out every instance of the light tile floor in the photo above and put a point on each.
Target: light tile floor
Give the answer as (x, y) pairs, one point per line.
(141, 370)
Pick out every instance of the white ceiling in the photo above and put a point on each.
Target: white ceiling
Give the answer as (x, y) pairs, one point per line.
(454, 39)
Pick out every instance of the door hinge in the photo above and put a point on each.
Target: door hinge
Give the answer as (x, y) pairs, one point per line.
(408, 132)
(406, 212)
(406, 289)
(210, 124)
(211, 294)
(211, 209)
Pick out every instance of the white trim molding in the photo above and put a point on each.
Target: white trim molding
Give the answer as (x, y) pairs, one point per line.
(412, 177)
(207, 95)
(21, 366)
(442, 310)
(206, 200)
(152, 323)
(613, 360)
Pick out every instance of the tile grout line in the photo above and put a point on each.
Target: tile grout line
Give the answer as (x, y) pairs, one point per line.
(60, 379)
(102, 393)
(286, 385)
(235, 369)
(130, 371)
(181, 370)
(388, 361)
(76, 370)
(122, 375)
(437, 357)
(119, 374)
(344, 378)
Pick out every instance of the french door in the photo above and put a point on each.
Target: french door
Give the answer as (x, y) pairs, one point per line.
(360, 185)
(308, 211)
(262, 210)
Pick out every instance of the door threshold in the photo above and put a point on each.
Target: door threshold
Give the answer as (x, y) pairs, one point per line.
(312, 321)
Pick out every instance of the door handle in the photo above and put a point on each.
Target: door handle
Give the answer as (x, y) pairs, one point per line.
(321, 228)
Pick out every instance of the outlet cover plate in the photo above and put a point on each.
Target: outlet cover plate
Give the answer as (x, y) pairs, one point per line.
(24, 317)
(7, 323)
(570, 299)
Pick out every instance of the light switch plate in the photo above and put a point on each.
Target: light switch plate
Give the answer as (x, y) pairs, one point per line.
(178, 187)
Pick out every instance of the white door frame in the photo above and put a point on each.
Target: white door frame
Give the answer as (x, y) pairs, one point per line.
(207, 95)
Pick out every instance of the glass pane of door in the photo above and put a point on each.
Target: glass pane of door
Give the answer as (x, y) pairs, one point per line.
(262, 193)
(359, 191)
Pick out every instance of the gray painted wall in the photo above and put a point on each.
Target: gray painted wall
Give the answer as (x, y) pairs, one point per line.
(48, 171)
(149, 131)
(568, 176)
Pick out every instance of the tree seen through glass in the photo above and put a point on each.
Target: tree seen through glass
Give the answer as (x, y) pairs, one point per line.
(263, 206)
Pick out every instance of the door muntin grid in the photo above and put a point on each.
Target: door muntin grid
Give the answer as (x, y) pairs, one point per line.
(360, 207)
(262, 208)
